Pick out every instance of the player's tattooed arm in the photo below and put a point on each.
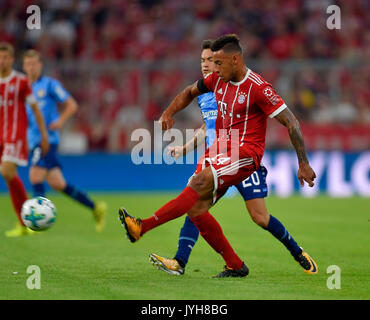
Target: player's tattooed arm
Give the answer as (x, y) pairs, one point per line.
(181, 101)
(305, 172)
(287, 118)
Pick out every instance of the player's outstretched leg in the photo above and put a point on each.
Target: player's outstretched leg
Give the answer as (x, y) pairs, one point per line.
(175, 208)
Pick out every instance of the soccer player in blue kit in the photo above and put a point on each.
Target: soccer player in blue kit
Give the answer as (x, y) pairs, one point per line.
(253, 190)
(48, 93)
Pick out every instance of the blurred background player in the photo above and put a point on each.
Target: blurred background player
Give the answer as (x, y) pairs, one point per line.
(15, 92)
(253, 189)
(48, 93)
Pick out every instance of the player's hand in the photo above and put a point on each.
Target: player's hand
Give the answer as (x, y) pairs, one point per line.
(306, 173)
(45, 146)
(56, 125)
(166, 121)
(176, 151)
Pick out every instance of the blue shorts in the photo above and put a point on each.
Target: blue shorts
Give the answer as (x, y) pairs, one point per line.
(255, 185)
(49, 161)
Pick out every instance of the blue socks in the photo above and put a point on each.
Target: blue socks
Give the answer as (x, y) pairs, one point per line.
(38, 190)
(188, 237)
(79, 196)
(276, 228)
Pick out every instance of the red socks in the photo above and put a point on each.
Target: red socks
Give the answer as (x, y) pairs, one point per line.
(18, 195)
(211, 231)
(208, 226)
(171, 210)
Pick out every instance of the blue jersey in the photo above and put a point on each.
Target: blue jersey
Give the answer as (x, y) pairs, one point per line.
(48, 92)
(208, 106)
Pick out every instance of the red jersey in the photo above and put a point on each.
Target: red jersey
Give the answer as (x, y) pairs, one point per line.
(244, 106)
(14, 93)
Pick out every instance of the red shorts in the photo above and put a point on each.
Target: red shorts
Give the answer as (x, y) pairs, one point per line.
(230, 165)
(15, 152)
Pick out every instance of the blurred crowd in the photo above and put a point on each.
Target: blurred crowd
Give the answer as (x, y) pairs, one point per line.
(124, 60)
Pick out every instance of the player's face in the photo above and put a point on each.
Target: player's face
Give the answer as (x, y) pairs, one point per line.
(6, 61)
(32, 66)
(224, 64)
(206, 61)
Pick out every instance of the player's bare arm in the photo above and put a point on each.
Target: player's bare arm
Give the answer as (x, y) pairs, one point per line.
(41, 124)
(305, 172)
(199, 138)
(181, 101)
(70, 108)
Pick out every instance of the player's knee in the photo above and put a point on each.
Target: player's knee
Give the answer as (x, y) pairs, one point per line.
(199, 208)
(7, 173)
(35, 180)
(202, 181)
(259, 217)
(57, 185)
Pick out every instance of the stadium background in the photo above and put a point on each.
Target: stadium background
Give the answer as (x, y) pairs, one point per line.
(125, 60)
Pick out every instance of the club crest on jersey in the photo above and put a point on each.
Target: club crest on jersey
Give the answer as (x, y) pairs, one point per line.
(241, 98)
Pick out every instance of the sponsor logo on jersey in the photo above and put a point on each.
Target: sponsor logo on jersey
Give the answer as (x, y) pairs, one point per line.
(212, 114)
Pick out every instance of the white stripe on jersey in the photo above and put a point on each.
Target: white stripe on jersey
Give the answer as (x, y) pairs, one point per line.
(15, 114)
(255, 79)
(218, 80)
(246, 115)
(232, 108)
(234, 166)
(257, 76)
(278, 110)
(223, 118)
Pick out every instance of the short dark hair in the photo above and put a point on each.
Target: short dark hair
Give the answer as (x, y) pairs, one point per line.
(4, 46)
(206, 44)
(228, 43)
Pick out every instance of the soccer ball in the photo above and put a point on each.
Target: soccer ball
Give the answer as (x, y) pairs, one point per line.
(38, 213)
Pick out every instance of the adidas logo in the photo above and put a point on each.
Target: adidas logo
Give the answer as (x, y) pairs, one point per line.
(219, 91)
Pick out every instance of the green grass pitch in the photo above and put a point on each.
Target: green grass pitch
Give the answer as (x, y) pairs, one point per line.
(78, 263)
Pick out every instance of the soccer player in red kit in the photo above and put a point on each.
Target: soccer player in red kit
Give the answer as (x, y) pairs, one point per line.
(14, 93)
(244, 101)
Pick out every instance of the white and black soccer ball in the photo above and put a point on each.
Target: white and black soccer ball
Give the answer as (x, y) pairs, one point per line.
(38, 213)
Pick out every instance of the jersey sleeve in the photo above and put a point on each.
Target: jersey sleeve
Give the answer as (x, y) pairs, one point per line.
(269, 101)
(57, 91)
(207, 83)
